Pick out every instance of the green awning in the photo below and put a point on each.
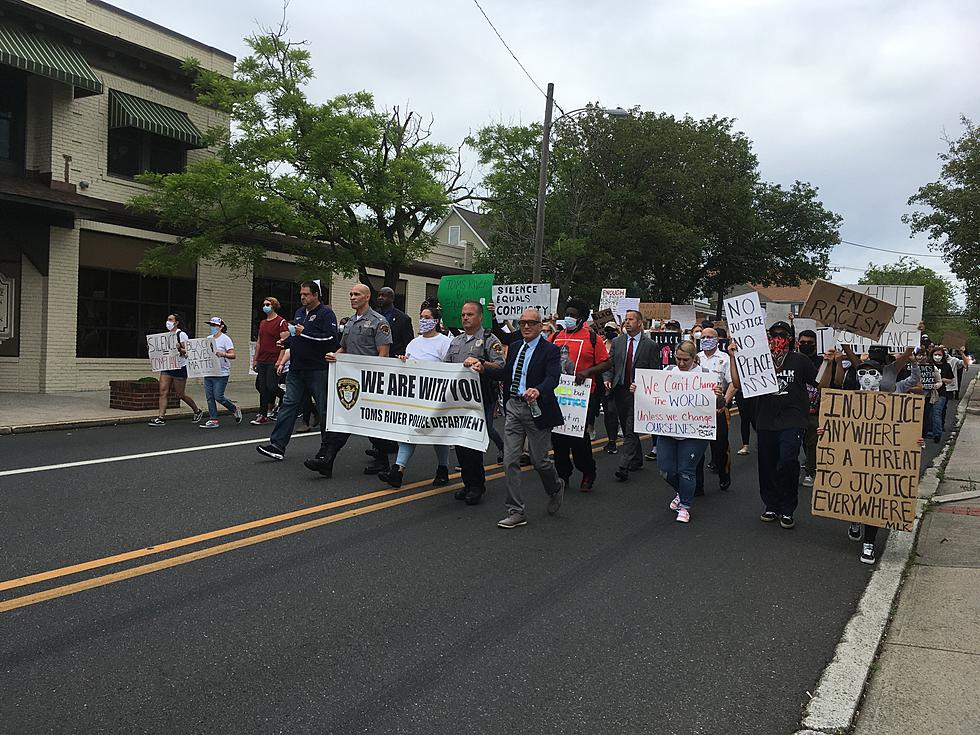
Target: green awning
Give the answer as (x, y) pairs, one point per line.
(127, 111)
(48, 59)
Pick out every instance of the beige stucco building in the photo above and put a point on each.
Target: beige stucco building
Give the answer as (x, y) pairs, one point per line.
(89, 96)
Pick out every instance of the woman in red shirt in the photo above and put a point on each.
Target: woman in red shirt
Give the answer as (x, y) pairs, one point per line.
(264, 363)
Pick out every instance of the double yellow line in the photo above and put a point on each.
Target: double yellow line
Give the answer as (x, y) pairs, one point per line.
(138, 571)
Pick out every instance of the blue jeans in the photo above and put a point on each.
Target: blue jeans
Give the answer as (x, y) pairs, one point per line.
(938, 409)
(677, 460)
(779, 469)
(405, 452)
(214, 392)
(300, 385)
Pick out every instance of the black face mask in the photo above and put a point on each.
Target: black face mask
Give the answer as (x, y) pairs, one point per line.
(808, 348)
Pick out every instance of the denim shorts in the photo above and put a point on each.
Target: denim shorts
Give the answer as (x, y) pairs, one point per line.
(178, 374)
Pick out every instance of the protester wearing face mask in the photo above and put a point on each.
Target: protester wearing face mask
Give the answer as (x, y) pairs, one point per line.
(806, 343)
(430, 346)
(781, 421)
(267, 350)
(584, 356)
(938, 356)
(214, 385)
(176, 377)
(717, 362)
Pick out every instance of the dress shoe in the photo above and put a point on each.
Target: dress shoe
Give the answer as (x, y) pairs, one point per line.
(587, 482)
(622, 474)
(461, 493)
(473, 495)
(323, 465)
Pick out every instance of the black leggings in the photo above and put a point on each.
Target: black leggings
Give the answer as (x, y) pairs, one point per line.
(745, 415)
(267, 384)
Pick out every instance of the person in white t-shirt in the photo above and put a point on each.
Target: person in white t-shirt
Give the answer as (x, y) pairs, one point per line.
(717, 362)
(214, 385)
(430, 346)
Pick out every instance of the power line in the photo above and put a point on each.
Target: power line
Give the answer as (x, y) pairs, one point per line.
(511, 52)
(886, 250)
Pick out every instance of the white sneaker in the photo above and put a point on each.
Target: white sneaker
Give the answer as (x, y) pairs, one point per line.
(808, 481)
(238, 415)
(743, 451)
(211, 424)
(868, 554)
(675, 504)
(683, 515)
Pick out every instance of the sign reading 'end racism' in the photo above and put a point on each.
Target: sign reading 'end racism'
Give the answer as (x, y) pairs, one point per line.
(842, 308)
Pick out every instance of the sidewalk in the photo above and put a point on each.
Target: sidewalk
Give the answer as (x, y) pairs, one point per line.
(927, 676)
(27, 412)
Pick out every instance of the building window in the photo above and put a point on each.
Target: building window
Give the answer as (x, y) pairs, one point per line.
(13, 99)
(132, 152)
(432, 293)
(117, 309)
(454, 235)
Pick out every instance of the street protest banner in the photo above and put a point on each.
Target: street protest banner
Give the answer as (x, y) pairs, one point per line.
(163, 352)
(574, 403)
(683, 314)
(201, 360)
(747, 326)
(610, 298)
(454, 290)
(868, 457)
(602, 317)
(624, 305)
(675, 403)
(416, 402)
(655, 310)
(847, 310)
(953, 340)
(510, 301)
(903, 328)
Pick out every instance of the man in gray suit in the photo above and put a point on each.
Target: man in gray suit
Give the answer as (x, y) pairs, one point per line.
(628, 352)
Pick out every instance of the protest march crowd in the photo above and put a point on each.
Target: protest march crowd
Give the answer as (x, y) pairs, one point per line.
(857, 416)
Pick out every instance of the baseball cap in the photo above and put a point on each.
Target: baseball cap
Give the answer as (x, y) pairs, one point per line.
(783, 326)
(216, 321)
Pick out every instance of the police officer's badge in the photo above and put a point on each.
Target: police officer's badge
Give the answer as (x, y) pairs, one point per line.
(384, 328)
(348, 389)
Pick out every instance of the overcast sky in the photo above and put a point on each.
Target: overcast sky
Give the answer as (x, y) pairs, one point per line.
(853, 97)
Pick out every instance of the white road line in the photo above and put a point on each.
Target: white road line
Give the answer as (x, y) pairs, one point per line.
(142, 455)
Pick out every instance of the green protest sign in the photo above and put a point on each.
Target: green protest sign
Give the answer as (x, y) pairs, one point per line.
(454, 290)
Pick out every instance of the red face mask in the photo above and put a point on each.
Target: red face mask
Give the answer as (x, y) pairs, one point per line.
(779, 346)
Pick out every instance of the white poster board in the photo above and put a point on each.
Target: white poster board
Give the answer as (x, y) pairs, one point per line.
(683, 314)
(555, 292)
(574, 403)
(903, 330)
(624, 305)
(675, 403)
(163, 352)
(201, 360)
(610, 297)
(747, 326)
(510, 300)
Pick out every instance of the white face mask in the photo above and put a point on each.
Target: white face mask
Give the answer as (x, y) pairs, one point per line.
(171, 325)
(869, 379)
(696, 335)
(937, 358)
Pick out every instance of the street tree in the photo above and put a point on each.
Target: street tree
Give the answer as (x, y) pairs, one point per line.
(342, 185)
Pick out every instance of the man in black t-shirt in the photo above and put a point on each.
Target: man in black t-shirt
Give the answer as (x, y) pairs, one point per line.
(781, 421)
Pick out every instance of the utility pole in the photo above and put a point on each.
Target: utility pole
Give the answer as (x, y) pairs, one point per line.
(542, 184)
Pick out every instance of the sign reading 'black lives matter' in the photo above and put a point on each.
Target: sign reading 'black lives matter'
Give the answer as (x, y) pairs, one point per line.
(868, 457)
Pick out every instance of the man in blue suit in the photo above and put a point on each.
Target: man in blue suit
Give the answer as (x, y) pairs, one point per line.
(531, 409)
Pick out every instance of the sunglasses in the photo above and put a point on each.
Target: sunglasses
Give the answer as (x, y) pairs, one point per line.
(528, 322)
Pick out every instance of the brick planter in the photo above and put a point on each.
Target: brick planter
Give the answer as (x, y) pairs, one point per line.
(130, 395)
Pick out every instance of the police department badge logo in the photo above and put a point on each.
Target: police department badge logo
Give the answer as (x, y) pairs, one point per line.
(348, 390)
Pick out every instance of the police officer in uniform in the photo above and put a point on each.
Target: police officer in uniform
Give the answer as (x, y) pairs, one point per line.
(366, 333)
(474, 345)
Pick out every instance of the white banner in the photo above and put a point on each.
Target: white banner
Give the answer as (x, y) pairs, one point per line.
(624, 305)
(747, 326)
(201, 360)
(675, 403)
(610, 297)
(903, 331)
(416, 402)
(163, 352)
(510, 301)
(574, 403)
(555, 293)
(684, 314)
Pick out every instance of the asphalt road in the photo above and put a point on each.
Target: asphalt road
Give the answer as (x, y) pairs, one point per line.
(398, 612)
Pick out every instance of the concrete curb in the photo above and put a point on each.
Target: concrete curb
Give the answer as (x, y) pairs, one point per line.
(108, 421)
(834, 704)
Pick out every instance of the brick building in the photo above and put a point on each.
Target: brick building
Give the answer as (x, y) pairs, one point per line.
(91, 95)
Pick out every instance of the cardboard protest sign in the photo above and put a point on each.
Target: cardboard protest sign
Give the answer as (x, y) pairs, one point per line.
(675, 403)
(574, 403)
(416, 402)
(868, 457)
(903, 328)
(605, 316)
(163, 352)
(201, 360)
(684, 314)
(454, 290)
(610, 298)
(953, 340)
(624, 305)
(510, 301)
(655, 310)
(848, 310)
(753, 360)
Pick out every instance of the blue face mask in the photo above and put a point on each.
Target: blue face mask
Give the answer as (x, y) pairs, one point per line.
(267, 309)
(215, 330)
(426, 325)
(569, 322)
(709, 343)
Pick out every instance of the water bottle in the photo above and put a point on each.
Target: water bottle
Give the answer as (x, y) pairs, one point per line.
(534, 408)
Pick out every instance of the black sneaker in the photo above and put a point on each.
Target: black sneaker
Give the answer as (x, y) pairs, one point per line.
(525, 460)
(461, 493)
(441, 478)
(611, 448)
(650, 456)
(868, 554)
(372, 452)
(473, 495)
(322, 465)
(786, 521)
(196, 418)
(855, 532)
(725, 484)
(156, 421)
(500, 457)
(769, 516)
(379, 465)
(271, 451)
(393, 476)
